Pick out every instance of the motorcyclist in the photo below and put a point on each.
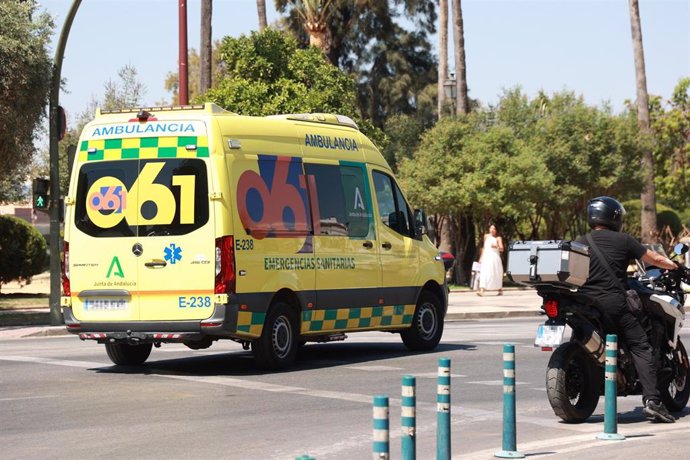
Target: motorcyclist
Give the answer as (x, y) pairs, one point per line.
(605, 217)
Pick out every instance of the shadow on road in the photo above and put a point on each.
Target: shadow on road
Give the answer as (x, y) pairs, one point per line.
(310, 357)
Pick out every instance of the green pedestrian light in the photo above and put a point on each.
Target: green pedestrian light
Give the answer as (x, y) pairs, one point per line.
(40, 194)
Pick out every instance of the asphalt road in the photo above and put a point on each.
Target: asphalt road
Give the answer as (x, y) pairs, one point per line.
(62, 398)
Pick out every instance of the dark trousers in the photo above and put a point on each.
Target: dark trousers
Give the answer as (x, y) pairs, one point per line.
(632, 333)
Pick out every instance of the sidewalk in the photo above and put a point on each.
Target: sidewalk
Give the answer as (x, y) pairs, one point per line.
(33, 321)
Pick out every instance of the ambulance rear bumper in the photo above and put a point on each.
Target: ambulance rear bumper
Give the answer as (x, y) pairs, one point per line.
(221, 325)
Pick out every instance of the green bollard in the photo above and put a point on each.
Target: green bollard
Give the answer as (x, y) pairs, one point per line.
(443, 410)
(408, 419)
(611, 392)
(509, 424)
(381, 437)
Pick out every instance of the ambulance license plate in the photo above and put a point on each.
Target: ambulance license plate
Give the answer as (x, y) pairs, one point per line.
(549, 336)
(106, 304)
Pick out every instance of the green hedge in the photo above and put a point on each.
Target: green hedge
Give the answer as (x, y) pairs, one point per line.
(22, 250)
(664, 216)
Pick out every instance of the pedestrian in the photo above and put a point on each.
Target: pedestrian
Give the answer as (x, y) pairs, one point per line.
(605, 218)
(491, 273)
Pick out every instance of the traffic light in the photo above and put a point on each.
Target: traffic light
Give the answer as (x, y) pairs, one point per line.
(40, 194)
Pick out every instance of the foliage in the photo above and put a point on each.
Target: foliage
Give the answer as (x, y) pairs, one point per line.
(530, 165)
(392, 66)
(671, 124)
(172, 80)
(666, 216)
(25, 73)
(268, 74)
(22, 250)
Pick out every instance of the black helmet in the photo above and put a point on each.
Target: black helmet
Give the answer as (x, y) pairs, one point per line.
(605, 211)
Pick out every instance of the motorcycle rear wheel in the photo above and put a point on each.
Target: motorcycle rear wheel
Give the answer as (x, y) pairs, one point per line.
(676, 393)
(573, 383)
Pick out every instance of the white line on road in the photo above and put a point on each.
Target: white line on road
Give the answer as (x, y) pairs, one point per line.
(28, 397)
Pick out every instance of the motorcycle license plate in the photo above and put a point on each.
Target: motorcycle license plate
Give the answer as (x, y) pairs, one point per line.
(549, 336)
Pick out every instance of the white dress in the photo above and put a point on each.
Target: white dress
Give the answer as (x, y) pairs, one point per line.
(491, 274)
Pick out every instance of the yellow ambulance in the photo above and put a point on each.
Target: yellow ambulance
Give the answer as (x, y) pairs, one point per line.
(192, 224)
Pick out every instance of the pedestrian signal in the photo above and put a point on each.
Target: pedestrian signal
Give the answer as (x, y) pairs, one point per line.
(40, 194)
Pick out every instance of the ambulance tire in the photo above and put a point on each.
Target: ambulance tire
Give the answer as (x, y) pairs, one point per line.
(125, 354)
(427, 324)
(277, 346)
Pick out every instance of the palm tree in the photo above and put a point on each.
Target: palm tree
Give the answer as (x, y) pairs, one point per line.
(461, 106)
(261, 9)
(314, 15)
(648, 195)
(205, 45)
(442, 54)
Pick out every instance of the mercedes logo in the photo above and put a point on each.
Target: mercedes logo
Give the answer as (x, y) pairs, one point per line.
(137, 249)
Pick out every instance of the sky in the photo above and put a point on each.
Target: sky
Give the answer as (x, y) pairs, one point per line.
(583, 46)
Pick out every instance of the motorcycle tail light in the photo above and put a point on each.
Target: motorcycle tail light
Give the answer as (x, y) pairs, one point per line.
(551, 308)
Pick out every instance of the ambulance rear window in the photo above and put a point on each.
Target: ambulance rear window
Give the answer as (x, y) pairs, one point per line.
(142, 197)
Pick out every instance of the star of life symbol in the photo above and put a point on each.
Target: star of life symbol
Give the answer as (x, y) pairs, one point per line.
(173, 253)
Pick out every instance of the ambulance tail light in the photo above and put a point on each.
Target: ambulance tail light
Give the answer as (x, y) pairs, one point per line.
(66, 289)
(225, 265)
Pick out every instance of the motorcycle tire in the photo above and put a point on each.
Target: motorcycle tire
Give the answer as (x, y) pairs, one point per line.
(573, 383)
(676, 392)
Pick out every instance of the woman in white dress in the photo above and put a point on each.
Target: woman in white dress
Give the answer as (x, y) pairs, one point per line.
(491, 273)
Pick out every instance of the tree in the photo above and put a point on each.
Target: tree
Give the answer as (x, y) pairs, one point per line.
(25, 74)
(125, 92)
(261, 10)
(461, 101)
(314, 15)
(172, 83)
(648, 195)
(23, 250)
(206, 46)
(670, 123)
(442, 54)
(392, 65)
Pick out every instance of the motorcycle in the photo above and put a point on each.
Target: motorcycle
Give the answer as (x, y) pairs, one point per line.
(575, 372)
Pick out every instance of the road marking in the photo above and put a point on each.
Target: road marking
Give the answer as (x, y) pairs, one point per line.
(575, 443)
(374, 368)
(433, 375)
(494, 382)
(28, 397)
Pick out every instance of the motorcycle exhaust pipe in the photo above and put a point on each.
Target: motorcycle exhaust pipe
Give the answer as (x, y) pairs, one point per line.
(592, 342)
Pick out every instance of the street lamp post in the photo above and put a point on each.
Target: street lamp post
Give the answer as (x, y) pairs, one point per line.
(450, 88)
(54, 129)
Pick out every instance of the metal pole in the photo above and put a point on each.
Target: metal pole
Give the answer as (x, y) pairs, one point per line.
(381, 436)
(183, 70)
(509, 429)
(443, 410)
(610, 392)
(54, 211)
(408, 419)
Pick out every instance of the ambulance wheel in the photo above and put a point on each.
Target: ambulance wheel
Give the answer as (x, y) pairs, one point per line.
(125, 354)
(277, 346)
(427, 324)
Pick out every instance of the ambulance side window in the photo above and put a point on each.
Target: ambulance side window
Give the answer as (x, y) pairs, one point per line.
(393, 210)
(343, 204)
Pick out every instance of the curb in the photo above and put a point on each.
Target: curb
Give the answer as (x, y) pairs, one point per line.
(491, 315)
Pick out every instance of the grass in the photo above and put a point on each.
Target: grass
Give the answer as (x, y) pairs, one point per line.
(23, 301)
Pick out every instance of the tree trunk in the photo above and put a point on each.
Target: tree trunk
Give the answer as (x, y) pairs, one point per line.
(462, 105)
(648, 195)
(442, 54)
(205, 45)
(261, 9)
